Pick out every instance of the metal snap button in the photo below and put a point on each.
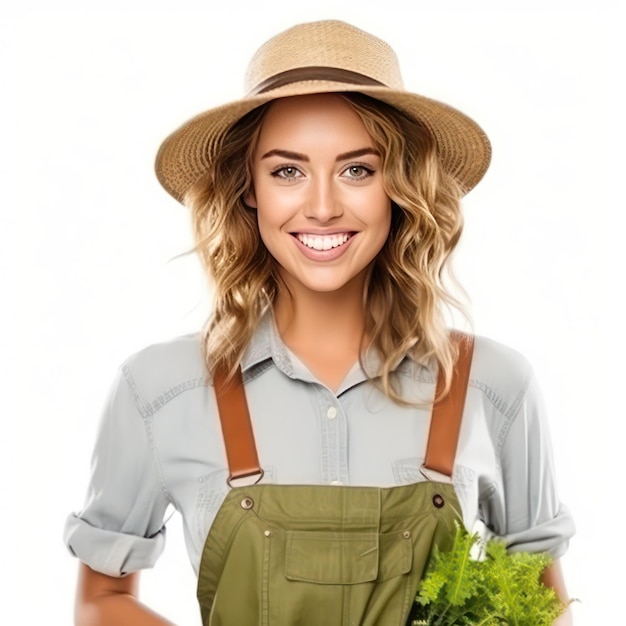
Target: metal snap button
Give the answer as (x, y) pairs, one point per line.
(406, 534)
(438, 501)
(247, 503)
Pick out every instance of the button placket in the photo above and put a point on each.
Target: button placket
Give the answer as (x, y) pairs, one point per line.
(332, 422)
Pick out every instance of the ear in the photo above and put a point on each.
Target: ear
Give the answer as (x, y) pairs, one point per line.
(250, 198)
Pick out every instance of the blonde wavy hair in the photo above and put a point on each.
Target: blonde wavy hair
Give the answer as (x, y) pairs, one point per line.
(404, 297)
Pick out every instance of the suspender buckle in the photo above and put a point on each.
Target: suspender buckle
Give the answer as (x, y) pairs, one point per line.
(434, 476)
(257, 476)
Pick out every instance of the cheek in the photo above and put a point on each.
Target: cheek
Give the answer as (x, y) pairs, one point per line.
(265, 230)
(274, 208)
(382, 229)
(263, 225)
(269, 223)
(385, 216)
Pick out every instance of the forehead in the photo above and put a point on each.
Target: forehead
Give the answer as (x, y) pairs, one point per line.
(319, 117)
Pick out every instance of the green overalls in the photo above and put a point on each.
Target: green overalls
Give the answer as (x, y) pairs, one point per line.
(312, 555)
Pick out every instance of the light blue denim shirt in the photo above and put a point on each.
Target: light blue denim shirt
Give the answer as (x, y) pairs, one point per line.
(160, 444)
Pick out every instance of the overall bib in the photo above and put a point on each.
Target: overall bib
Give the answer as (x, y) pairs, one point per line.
(316, 555)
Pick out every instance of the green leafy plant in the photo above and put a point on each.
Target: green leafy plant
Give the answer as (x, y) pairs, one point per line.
(501, 589)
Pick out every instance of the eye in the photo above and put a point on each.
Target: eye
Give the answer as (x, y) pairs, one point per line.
(287, 172)
(358, 172)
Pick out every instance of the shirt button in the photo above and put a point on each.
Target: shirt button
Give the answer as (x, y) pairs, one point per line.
(336, 483)
(331, 414)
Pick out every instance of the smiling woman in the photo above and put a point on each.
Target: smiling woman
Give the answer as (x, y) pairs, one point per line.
(326, 204)
(310, 191)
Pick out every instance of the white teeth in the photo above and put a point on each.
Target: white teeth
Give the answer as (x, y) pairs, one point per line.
(319, 242)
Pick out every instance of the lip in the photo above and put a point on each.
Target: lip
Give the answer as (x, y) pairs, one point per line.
(322, 232)
(323, 255)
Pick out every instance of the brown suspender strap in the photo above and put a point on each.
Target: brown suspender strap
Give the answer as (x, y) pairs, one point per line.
(447, 414)
(445, 423)
(236, 427)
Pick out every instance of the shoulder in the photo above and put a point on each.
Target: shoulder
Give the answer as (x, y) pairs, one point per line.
(500, 373)
(495, 360)
(162, 371)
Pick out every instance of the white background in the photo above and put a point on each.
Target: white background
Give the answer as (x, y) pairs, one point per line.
(87, 239)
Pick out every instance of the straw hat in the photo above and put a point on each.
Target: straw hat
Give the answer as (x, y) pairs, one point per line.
(323, 57)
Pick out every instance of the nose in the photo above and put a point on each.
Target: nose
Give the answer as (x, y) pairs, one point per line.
(323, 203)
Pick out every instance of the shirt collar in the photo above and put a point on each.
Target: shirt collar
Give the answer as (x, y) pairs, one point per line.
(266, 344)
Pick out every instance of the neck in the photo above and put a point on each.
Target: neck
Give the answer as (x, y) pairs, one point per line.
(322, 321)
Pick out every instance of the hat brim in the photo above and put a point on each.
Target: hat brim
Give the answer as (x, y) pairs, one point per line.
(186, 154)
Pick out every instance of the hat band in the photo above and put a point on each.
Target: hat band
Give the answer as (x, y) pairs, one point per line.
(333, 74)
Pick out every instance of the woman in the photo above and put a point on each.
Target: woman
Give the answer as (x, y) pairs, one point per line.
(325, 204)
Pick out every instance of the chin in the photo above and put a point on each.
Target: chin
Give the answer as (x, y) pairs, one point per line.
(331, 286)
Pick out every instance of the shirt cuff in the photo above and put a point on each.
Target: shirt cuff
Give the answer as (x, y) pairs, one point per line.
(551, 536)
(109, 552)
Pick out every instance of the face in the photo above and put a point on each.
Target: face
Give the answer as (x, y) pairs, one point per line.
(317, 186)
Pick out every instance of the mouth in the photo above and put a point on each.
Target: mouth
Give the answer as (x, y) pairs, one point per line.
(323, 242)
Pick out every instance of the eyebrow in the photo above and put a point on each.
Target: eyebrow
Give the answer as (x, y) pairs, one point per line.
(296, 156)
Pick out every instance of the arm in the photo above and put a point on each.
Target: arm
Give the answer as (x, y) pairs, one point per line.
(553, 577)
(120, 529)
(107, 601)
(527, 511)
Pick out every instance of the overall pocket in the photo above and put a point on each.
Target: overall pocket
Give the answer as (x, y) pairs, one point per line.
(331, 578)
(331, 558)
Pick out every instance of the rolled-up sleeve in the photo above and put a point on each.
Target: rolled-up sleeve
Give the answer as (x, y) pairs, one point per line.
(120, 529)
(527, 512)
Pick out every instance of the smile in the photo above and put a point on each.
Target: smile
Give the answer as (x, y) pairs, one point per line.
(323, 242)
